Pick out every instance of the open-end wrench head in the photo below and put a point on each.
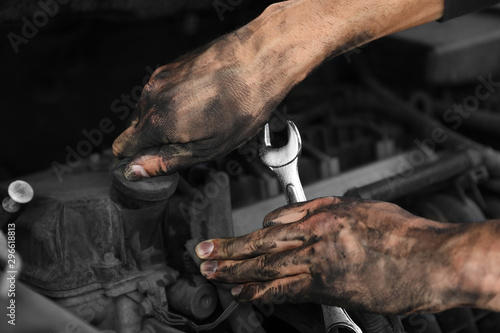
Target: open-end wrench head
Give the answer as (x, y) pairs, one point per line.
(278, 157)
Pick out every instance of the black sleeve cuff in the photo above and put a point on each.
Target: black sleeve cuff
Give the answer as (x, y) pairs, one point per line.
(455, 8)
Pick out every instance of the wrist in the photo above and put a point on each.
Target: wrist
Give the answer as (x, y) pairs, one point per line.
(443, 255)
(474, 256)
(295, 36)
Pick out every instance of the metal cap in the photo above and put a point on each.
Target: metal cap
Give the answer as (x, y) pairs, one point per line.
(20, 191)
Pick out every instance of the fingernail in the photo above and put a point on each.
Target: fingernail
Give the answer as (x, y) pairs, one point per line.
(236, 290)
(135, 172)
(204, 249)
(209, 267)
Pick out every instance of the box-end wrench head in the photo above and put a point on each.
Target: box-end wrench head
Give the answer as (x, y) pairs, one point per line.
(283, 161)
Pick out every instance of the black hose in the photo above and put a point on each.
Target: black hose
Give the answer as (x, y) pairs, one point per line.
(485, 121)
(402, 111)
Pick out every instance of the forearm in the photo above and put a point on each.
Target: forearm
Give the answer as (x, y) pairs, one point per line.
(475, 264)
(293, 37)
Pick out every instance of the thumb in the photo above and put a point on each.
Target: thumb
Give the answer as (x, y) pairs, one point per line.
(133, 140)
(122, 144)
(158, 161)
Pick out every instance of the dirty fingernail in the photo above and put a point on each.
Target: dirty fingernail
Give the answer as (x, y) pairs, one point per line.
(236, 290)
(135, 172)
(204, 249)
(209, 267)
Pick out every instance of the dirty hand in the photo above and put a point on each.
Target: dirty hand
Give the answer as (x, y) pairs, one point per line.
(370, 256)
(199, 108)
(213, 100)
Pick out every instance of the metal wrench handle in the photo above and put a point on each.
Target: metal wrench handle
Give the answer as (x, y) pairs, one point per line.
(283, 161)
(289, 179)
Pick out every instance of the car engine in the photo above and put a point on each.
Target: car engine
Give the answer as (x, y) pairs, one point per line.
(413, 118)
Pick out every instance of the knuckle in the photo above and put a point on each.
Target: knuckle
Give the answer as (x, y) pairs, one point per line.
(148, 89)
(267, 220)
(157, 71)
(164, 165)
(249, 293)
(270, 223)
(226, 247)
(260, 269)
(273, 215)
(260, 244)
(262, 265)
(256, 240)
(117, 149)
(232, 270)
(382, 205)
(331, 200)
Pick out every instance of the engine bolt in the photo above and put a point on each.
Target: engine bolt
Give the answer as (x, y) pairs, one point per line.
(20, 192)
(143, 286)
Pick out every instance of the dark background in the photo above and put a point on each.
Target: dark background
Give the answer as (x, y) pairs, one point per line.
(65, 79)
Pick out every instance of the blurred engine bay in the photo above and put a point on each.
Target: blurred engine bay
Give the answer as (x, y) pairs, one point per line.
(413, 118)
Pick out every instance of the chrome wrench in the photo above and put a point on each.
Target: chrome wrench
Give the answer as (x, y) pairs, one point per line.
(283, 162)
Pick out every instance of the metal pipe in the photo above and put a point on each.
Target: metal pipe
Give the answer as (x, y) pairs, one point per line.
(445, 167)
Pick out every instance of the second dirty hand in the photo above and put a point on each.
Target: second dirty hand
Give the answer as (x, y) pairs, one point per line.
(361, 255)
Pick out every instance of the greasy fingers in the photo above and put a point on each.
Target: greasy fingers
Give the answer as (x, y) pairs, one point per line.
(291, 289)
(158, 161)
(262, 241)
(262, 268)
(336, 251)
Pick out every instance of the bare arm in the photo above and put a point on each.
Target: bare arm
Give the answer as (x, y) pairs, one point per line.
(475, 260)
(211, 101)
(365, 255)
(293, 37)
